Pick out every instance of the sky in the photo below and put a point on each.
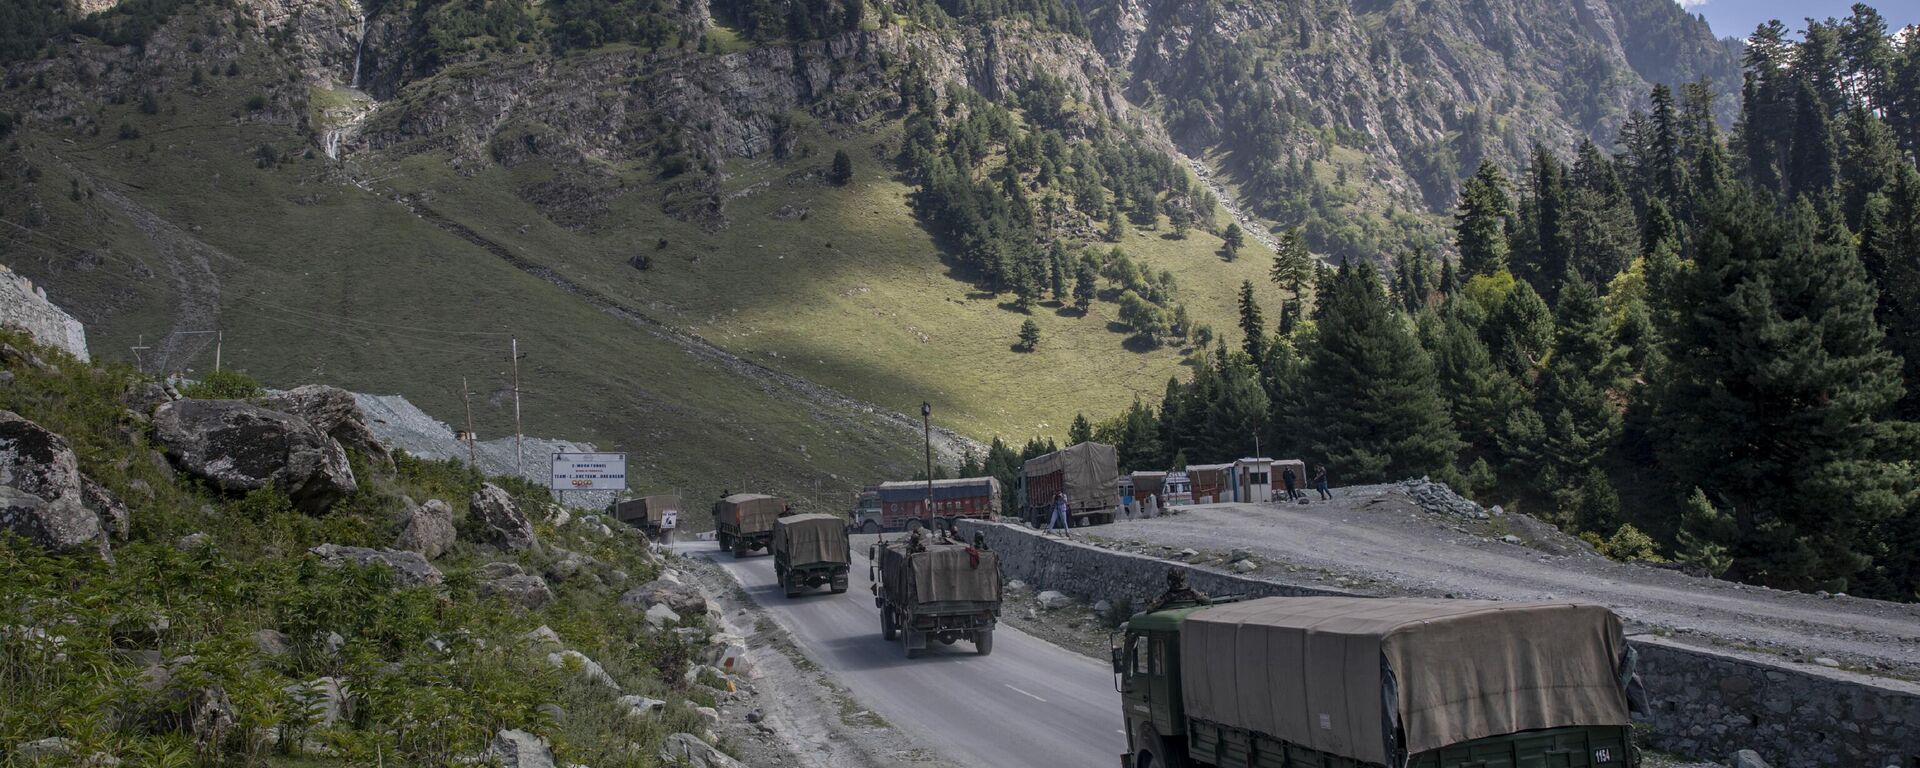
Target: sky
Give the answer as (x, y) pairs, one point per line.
(1737, 18)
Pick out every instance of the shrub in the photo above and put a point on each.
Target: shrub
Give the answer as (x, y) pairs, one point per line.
(224, 384)
(1629, 544)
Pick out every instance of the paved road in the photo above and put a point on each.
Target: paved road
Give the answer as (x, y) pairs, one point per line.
(1030, 703)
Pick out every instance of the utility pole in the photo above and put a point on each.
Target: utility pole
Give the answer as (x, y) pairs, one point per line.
(519, 456)
(218, 338)
(138, 347)
(926, 430)
(466, 394)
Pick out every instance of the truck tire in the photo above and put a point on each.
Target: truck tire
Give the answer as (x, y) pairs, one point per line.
(839, 584)
(870, 527)
(726, 542)
(739, 548)
(888, 631)
(983, 642)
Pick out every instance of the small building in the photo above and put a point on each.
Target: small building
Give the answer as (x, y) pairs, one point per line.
(1177, 492)
(1253, 480)
(1210, 483)
(1147, 484)
(1300, 479)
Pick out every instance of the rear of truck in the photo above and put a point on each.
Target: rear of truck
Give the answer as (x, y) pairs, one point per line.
(743, 522)
(1376, 682)
(1089, 475)
(941, 593)
(810, 551)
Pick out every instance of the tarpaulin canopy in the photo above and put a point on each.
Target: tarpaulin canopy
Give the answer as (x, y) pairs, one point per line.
(1090, 474)
(811, 538)
(750, 512)
(956, 488)
(646, 509)
(942, 573)
(1335, 673)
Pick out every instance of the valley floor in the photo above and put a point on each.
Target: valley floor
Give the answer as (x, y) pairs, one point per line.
(1375, 539)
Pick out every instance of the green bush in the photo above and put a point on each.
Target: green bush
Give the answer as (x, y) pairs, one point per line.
(224, 384)
(1629, 544)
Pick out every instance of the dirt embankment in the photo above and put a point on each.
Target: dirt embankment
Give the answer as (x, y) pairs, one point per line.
(1379, 540)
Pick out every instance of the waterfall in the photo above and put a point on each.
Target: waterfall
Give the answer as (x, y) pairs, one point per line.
(358, 49)
(332, 144)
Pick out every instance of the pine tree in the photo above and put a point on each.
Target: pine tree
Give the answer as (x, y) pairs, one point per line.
(1479, 394)
(1601, 235)
(1233, 240)
(1371, 403)
(1029, 335)
(1081, 431)
(1519, 331)
(842, 168)
(1574, 391)
(1253, 328)
(1236, 414)
(1084, 288)
(1810, 164)
(1776, 406)
(1480, 228)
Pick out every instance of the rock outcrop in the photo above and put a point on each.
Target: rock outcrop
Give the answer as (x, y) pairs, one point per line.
(239, 447)
(334, 411)
(409, 568)
(498, 519)
(45, 497)
(688, 750)
(25, 306)
(520, 749)
(678, 597)
(427, 529)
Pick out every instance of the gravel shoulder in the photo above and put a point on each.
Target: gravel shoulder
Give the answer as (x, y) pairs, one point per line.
(1378, 540)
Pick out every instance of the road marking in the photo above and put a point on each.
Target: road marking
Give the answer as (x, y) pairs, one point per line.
(1024, 693)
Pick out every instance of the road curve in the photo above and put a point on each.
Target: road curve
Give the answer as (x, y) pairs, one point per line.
(1030, 703)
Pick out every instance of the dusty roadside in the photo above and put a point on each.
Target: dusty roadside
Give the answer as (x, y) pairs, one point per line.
(787, 712)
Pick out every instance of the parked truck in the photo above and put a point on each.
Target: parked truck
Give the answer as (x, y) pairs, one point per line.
(898, 506)
(810, 551)
(743, 522)
(943, 592)
(1339, 682)
(656, 515)
(1089, 473)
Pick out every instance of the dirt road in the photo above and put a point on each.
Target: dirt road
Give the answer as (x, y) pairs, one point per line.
(1377, 538)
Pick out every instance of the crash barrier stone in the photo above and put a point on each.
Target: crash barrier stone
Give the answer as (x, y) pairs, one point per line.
(1705, 703)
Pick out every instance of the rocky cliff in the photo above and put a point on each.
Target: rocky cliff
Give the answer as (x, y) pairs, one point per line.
(25, 306)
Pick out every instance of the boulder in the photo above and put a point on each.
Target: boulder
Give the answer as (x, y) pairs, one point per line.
(271, 644)
(1244, 566)
(572, 565)
(62, 525)
(1052, 600)
(324, 700)
(49, 749)
(409, 568)
(141, 397)
(522, 590)
(686, 749)
(680, 597)
(428, 529)
(500, 521)
(1748, 758)
(544, 636)
(640, 706)
(660, 616)
(333, 411)
(587, 667)
(500, 569)
(239, 447)
(38, 463)
(519, 749)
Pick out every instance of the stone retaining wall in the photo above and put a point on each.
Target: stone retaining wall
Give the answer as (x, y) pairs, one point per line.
(1706, 703)
(25, 306)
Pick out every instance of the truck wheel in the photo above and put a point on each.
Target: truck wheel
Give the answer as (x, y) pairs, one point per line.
(726, 542)
(839, 583)
(887, 631)
(983, 642)
(739, 548)
(870, 527)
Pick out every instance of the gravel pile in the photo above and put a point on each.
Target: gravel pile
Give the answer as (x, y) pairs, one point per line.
(1438, 499)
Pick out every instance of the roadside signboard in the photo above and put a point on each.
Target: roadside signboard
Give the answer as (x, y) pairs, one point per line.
(589, 472)
(669, 519)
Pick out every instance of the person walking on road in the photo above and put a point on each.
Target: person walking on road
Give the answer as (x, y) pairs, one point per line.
(1320, 481)
(1059, 517)
(1291, 480)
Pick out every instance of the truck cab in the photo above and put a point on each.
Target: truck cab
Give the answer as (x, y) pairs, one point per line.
(1146, 669)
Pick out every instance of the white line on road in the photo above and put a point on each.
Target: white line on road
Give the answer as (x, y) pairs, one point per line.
(1024, 693)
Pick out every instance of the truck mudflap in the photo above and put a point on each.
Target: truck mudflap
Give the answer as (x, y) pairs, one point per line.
(1126, 760)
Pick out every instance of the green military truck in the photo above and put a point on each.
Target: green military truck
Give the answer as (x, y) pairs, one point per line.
(1337, 682)
(810, 551)
(743, 522)
(936, 591)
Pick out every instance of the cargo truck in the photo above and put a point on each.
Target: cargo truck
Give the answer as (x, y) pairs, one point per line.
(743, 522)
(943, 592)
(810, 551)
(656, 515)
(1340, 682)
(899, 506)
(1089, 473)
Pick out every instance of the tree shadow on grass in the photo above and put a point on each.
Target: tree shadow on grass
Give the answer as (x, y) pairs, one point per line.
(1140, 344)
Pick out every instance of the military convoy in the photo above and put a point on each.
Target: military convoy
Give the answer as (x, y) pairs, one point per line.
(743, 522)
(1350, 682)
(810, 551)
(935, 591)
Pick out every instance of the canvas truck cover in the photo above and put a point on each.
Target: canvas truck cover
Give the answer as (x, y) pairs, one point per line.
(1332, 673)
(1090, 474)
(943, 573)
(811, 538)
(646, 509)
(749, 512)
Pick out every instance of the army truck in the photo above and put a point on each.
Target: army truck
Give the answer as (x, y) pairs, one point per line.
(935, 592)
(743, 522)
(656, 515)
(810, 551)
(1088, 473)
(1339, 682)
